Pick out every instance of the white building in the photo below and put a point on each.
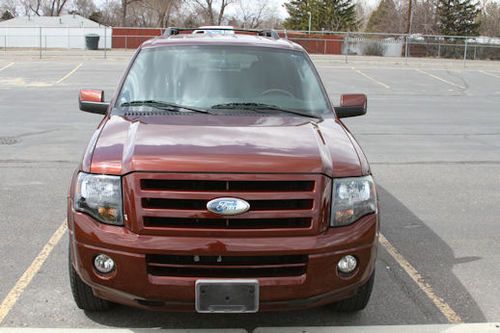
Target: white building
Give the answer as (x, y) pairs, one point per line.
(67, 31)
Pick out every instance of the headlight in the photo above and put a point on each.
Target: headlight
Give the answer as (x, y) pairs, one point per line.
(352, 198)
(99, 196)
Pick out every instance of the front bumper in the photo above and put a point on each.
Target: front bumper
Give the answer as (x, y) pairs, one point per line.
(130, 283)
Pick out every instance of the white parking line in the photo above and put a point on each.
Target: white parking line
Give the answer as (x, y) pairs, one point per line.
(121, 330)
(371, 78)
(447, 328)
(439, 78)
(490, 74)
(445, 309)
(69, 74)
(25, 279)
(7, 66)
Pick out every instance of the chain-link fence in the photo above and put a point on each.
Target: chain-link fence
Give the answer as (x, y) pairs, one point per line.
(398, 45)
(47, 41)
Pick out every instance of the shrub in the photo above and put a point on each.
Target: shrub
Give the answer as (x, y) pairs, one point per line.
(374, 48)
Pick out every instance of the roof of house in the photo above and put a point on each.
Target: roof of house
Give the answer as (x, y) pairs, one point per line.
(72, 21)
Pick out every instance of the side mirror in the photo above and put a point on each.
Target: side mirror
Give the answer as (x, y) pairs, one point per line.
(93, 101)
(352, 105)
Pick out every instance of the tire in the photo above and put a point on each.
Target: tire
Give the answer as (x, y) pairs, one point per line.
(83, 295)
(359, 301)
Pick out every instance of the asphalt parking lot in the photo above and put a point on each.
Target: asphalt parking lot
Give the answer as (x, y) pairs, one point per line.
(432, 135)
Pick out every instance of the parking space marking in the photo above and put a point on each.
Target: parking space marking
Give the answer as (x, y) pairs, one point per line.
(69, 74)
(490, 74)
(444, 307)
(7, 66)
(439, 78)
(25, 279)
(371, 78)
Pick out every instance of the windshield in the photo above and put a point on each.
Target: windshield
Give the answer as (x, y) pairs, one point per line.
(223, 78)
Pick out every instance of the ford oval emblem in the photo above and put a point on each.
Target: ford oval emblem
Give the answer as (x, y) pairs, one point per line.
(228, 206)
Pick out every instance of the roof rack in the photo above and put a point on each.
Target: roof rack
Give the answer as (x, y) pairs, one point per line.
(171, 31)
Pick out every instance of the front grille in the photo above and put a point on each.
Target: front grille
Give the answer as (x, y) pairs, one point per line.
(256, 205)
(176, 204)
(226, 266)
(166, 222)
(229, 186)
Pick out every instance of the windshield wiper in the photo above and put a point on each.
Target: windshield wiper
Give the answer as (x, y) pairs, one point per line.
(167, 106)
(259, 107)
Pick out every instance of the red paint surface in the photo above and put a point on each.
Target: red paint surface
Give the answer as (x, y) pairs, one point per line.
(223, 148)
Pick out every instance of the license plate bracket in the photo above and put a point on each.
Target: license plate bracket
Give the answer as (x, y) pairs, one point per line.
(227, 296)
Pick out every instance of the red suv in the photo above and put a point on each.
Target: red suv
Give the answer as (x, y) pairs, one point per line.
(221, 179)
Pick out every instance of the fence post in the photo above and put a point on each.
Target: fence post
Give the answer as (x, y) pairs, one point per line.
(324, 46)
(465, 51)
(407, 37)
(40, 42)
(346, 48)
(105, 42)
(5, 43)
(439, 49)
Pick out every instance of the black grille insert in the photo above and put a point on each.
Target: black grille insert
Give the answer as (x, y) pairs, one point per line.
(227, 186)
(168, 222)
(255, 205)
(226, 266)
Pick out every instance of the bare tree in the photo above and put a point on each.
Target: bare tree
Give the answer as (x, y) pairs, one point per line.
(85, 8)
(213, 16)
(43, 7)
(125, 4)
(56, 7)
(490, 19)
(111, 13)
(253, 13)
(32, 7)
(160, 10)
(362, 13)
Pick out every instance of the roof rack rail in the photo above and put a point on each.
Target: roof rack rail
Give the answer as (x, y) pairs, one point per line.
(172, 31)
(269, 33)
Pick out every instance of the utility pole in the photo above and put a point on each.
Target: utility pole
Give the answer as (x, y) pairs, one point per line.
(408, 27)
(408, 21)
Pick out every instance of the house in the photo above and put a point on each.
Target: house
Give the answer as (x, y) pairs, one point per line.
(66, 31)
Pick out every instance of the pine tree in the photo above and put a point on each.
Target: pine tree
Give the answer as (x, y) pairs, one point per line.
(340, 15)
(7, 15)
(385, 18)
(458, 17)
(332, 15)
(298, 16)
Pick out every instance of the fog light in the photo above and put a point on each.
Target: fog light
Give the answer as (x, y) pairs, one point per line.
(347, 264)
(104, 264)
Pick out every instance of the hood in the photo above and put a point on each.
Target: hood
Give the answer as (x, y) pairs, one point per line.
(224, 144)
